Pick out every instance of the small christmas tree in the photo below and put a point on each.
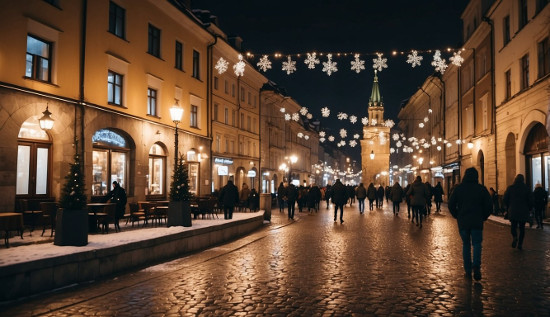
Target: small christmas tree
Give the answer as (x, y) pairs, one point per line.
(72, 195)
(179, 188)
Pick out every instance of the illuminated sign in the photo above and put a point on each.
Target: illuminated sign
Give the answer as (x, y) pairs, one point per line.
(225, 161)
(251, 173)
(223, 170)
(108, 137)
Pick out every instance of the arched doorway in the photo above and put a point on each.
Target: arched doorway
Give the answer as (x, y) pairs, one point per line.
(156, 179)
(510, 150)
(240, 178)
(110, 159)
(481, 164)
(537, 158)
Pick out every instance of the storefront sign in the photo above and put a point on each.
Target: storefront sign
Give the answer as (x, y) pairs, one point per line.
(223, 170)
(225, 161)
(108, 137)
(251, 173)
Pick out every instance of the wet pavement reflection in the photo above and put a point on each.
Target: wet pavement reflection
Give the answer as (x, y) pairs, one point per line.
(372, 264)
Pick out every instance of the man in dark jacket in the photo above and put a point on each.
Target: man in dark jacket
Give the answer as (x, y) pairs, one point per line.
(541, 201)
(118, 196)
(361, 192)
(519, 201)
(470, 203)
(419, 195)
(229, 197)
(291, 195)
(339, 199)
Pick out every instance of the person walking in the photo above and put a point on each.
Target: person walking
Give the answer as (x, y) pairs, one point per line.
(396, 197)
(470, 204)
(229, 197)
(313, 198)
(291, 195)
(429, 198)
(339, 199)
(438, 196)
(408, 200)
(380, 196)
(419, 193)
(118, 196)
(519, 201)
(540, 197)
(361, 193)
(371, 195)
(281, 197)
(254, 200)
(243, 196)
(328, 194)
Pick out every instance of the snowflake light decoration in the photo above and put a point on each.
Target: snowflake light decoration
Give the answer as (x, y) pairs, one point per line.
(398, 143)
(303, 111)
(356, 136)
(295, 117)
(322, 134)
(221, 65)
(321, 140)
(414, 59)
(288, 116)
(456, 59)
(449, 144)
(309, 116)
(353, 119)
(306, 137)
(289, 66)
(283, 110)
(264, 63)
(392, 150)
(352, 143)
(342, 116)
(343, 142)
(389, 123)
(330, 138)
(439, 63)
(329, 66)
(395, 136)
(426, 119)
(373, 122)
(380, 63)
(421, 125)
(311, 60)
(343, 133)
(300, 135)
(365, 121)
(339, 145)
(325, 112)
(239, 67)
(357, 65)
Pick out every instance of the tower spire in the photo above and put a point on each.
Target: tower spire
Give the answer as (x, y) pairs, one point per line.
(375, 97)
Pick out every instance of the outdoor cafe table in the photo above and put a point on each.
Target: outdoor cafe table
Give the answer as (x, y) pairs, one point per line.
(93, 210)
(10, 221)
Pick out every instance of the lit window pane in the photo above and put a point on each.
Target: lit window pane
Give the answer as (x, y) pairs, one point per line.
(99, 186)
(23, 167)
(28, 67)
(41, 171)
(118, 168)
(156, 176)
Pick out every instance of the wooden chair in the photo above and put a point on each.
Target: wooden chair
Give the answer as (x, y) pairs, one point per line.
(136, 214)
(49, 212)
(149, 209)
(107, 217)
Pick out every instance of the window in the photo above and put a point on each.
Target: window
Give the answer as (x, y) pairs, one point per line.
(226, 116)
(249, 98)
(523, 19)
(226, 87)
(233, 118)
(242, 121)
(151, 102)
(215, 112)
(525, 72)
(255, 100)
(196, 64)
(242, 94)
(508, 83)
(248, 123)
(484, 108)
(39, 54)
(154, 41)
(544, 57)
(218, 143)
(232, 90)
(216, 83)
(157, 171)
(117, 20)
(541, 4)
(33, 160)
(114, 88)
(506, 30)
(254, 125)
(194, 123)
(110, 161)
(179, 56)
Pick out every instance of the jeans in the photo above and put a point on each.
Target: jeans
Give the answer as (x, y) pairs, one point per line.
(228, 212)
(515, 225)
(291, 206)
(361, 204)
(395, 207)
(341, 207)
(471, 237)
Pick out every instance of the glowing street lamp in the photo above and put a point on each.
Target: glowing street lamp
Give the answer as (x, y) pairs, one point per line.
(176, 112)
(372, 155)
(46, 122)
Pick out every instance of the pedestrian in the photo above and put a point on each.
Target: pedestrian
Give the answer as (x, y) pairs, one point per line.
(371, 195)
(243, 196)
(229, 197)
(470, 203)
(291, 195)
(408, 200)
(387, 192)
(302, 196)
(438, 196)
(361, 193)
(494, 199)
(380, 197)
(519, 201)
(339, 199)
(396, 197)
(351, 194)
(313, 198)
(540, 197)
(118, 196)
(328, 194)
(281, 197)
(429, 198)
(254, 200)
(419, 197)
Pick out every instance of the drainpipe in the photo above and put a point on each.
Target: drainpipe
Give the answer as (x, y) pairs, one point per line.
(209, 71)
(493, 97)
(81, 79)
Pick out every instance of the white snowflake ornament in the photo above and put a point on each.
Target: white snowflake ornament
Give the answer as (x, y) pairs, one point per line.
(221, 65)
(330, 138)
(321, 140)
(322, 134)
(456, 59)
(380, 63)
(309, 116)
(303, 111)
(343, 133)
(295, 117)
(289, 66)
(325, 112)
(439, 63)
(239, 67)
(329, 66)
(283, 110)
(357, 65)
(288, 116)
(414, 59)
(352, 143)
(356, 136)
(389, 123)
(306, 137)
(342, 116)
(373, 122)
(300, 135)
(264, 63)
(311, 60)
(365, 121)
(353, 119)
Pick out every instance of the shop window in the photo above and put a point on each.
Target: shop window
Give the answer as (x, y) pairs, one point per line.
(110, 159)
(191, 156)
(537, 156)
(193, 169)
(157, 171)
(33, 160)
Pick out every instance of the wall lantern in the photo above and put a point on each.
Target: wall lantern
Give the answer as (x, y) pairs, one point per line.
(372, 155)
(46, 122)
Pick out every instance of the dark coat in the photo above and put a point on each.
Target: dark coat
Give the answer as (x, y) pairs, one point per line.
(361, 192)
(419, 193)
(470, 203)
(438, 193)
(339, 193)
(540, 197)
(118, 196)
(518, 199)
(281, 192)
(371, 192)
(291, 193)
(314, 195)
(407, 196)
(229, 195)
(396, 193)
(380, 192)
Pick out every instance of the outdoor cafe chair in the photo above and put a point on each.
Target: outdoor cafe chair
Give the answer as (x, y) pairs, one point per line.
(49, 212)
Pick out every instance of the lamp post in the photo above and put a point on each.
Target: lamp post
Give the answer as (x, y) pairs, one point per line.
(293, 159)
(46, 122)
(176, 112)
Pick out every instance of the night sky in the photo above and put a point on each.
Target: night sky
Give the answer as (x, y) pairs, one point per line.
(344, 26)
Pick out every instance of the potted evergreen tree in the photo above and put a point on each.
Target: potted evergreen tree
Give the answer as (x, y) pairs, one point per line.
(179, 213)
(72, 217)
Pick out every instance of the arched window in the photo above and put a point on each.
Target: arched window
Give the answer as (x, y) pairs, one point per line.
(110, 161)
(481, 164)
(510, 150)
(33, 160)
(537, 158)
(156, 179)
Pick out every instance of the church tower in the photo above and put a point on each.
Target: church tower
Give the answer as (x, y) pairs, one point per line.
(375, 145)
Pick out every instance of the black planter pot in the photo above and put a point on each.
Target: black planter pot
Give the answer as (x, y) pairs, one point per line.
(179, 213)
(71, 228)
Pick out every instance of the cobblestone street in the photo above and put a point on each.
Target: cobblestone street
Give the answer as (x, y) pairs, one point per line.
(375, 264)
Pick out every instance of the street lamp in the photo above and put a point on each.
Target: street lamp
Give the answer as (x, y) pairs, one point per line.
(176, 112)
(46, 122)
(372, 155)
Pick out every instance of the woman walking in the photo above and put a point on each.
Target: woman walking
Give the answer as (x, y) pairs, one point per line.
(371, 195)
(519, 201)
(396, 197)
